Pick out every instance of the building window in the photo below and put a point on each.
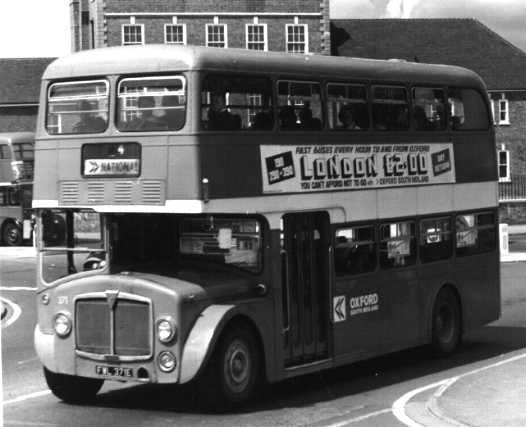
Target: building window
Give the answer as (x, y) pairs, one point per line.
(175, 33)
(216, 35)
(504, 112)
(132, 34)
(256, 36)
(297, 38)
(504, 165)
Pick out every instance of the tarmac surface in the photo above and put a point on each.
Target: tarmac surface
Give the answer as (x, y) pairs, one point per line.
(493, 395)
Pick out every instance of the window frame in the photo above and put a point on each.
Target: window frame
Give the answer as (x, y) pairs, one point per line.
(265, 36)
(183, 26)
(507, 176)
(506, 110)
(305, 41)
(225, 35)
(75, 82)
(141, 26)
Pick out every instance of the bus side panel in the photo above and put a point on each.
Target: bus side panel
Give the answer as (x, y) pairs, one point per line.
(183, 181)
(478, 276)
(45, 187)
(475, 157)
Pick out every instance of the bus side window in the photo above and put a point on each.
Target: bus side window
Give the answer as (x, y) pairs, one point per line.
(435, 239)
(347, 107)
(236, 103)
(4, 152)
(299, 105)
(397, 244)
(355, 250)
(390, 108)
(467, 110)
(475, 233)
(428, 109)
(13, 197)
(3, 196)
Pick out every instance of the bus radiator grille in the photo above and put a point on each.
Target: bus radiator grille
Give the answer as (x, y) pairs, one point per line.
(130, 335)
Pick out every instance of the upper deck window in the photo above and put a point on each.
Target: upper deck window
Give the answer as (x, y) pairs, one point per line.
(77, 107)
(390, 109)
(467, 110)
(429, 112)
(347, 107)
(299, 105)
(151, 104)
(236, 103)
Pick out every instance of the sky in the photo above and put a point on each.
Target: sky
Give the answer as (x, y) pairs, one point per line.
(40, 28)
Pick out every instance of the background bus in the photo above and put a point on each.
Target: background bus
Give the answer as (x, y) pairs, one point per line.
(16, 182)
(216, 215)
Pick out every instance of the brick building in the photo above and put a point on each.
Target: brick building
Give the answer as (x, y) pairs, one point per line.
(467, 43)
(19, 92)
(274, 25)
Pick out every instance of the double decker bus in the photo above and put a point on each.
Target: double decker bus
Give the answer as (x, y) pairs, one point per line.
(16, 183)
(231, 217)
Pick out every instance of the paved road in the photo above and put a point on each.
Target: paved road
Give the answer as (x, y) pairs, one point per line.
(359, 395)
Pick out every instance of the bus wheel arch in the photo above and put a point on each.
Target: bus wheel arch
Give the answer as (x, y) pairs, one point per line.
(234, 367)
(446, 322)
(11, 233)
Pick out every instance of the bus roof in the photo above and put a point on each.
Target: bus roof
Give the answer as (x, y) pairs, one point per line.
(14, 137)
(165, 58)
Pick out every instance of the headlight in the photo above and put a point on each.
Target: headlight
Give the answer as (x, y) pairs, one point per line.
(62, 325)
(167, 361)
(166, 330)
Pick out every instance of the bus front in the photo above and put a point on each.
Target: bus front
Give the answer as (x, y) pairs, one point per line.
(134, 280)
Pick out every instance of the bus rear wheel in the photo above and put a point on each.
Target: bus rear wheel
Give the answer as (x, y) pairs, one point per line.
(72, 389)
(233, 372)
(11, 234)
(447, 328)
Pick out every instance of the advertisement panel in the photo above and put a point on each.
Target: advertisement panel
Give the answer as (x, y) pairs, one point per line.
(302, 168)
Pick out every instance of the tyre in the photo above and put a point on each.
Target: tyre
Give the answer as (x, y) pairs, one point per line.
(12, 234)
(447, 323)
(233, 373)
(72, 389)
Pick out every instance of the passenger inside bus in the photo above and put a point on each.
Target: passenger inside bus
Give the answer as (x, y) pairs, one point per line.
(306, 119)
(347, 118)
(147, 121)
(287, 118)
(219, 117)
(89, 122)
(173, 114)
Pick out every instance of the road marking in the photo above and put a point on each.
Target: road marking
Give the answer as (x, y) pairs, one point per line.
(399, 405)
(17, 288)
(25, 397)
(360, 418)
(17, 311)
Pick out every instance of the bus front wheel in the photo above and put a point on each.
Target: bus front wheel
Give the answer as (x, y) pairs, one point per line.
(72, 389)
(446, 328)
(233, 373)
(12, 234)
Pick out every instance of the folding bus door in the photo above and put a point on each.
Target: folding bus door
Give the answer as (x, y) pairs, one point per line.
(306, 287)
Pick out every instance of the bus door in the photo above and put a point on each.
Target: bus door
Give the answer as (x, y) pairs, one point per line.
(306, 287)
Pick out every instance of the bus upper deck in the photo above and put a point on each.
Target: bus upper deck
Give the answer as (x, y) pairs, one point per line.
(281, 115)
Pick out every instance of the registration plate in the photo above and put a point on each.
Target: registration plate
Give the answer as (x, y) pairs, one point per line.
(114, 371)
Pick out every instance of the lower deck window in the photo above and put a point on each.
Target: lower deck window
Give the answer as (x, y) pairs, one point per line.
(435, 239)
(475, 233)
(355, 250)
(397, 245)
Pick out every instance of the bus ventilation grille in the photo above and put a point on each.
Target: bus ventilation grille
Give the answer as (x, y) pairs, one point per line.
(69, 193)
(147, 192)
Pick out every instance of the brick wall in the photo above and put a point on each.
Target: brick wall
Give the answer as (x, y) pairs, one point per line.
(196, 30)
(18, 119)
(292, 6)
